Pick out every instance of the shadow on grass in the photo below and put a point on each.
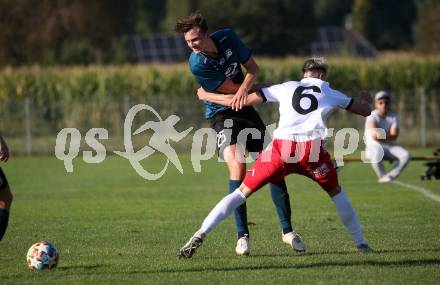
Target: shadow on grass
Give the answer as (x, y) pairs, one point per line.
(397, 263)
(84, 267)
(409, 250)
(288, 254)
(90, 269)
(43, 273)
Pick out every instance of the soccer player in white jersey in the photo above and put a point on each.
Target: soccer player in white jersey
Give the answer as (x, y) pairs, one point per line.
(297, 147)
(378, 145)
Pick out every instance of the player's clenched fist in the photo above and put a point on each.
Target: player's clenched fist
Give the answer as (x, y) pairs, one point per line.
(239, 100)
(365, 97)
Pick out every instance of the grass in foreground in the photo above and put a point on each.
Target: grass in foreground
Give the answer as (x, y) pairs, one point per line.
(110, 225)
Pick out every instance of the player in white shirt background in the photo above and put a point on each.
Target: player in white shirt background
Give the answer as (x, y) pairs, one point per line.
(381, 132)
(297, 147)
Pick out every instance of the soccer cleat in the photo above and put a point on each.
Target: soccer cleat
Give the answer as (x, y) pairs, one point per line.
(294, 240)
(385, 179)
(190, 247)
(364, 248)
(243, 246)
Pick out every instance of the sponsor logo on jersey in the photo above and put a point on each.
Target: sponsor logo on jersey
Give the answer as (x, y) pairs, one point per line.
(232, 70)
(228, 53)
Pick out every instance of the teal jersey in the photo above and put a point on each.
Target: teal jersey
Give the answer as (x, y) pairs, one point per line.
(210, 72)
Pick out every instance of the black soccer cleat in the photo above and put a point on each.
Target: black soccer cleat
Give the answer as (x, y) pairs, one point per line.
(190, 247)
(364, 249)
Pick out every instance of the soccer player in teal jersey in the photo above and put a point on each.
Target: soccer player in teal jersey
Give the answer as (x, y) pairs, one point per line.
(215, 62)
(297, 147)
(5, 192)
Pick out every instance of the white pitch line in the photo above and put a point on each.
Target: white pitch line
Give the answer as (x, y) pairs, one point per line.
(421, 190)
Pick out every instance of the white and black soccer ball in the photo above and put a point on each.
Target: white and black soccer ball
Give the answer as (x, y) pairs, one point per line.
(42, 255)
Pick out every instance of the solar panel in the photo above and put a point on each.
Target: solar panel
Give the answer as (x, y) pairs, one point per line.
(157, 48)
(334, 39)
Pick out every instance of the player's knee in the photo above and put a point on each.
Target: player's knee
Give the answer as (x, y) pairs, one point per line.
(234, 161)
(237, 170)
(405, 157)
(236, 164)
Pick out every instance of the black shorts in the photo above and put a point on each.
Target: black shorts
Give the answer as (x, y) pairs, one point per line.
(3, 180)
(243, 127)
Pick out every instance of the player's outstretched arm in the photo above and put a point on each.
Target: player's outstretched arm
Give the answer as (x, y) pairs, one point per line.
(362, 105)
(227, 99)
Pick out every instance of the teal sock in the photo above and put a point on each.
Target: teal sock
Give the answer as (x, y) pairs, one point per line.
(240, 214)
(280, 198)
(4, 217)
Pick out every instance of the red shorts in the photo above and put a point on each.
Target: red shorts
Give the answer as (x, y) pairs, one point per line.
(283, 157)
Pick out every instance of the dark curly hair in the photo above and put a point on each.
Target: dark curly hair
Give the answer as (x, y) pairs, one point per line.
(194, 20)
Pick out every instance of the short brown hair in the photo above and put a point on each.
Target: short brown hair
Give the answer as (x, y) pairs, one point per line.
(194, 20)
(315, 64)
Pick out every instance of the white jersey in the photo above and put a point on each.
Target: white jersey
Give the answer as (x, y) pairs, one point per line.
(386, 123)
(304, 108)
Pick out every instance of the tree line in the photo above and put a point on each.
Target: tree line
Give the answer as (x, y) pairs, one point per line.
(52, 32)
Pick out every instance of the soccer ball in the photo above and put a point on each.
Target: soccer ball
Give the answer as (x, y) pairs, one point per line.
(42, 255)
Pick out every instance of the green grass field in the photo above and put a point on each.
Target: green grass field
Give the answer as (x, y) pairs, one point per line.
(111, 226)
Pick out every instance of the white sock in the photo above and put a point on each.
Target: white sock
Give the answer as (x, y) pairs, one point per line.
(348, 217)
(221, 211)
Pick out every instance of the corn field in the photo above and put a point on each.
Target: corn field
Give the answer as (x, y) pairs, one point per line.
(36, 103)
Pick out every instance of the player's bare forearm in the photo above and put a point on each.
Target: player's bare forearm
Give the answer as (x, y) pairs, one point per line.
(252, 71)
(372, 129)
(362, 105)
(380, 135)
(220, 99)
(359, 108)
(239, 100)
(249, 80)
(226, 99)
(392, 134)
